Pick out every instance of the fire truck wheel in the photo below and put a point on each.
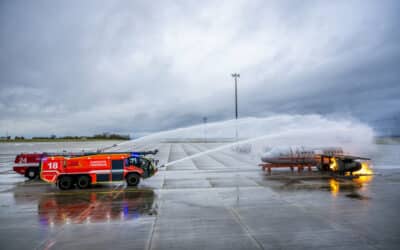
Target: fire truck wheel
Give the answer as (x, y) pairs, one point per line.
(65, 182)
(83, 181)
(31, 173)
(133, 179)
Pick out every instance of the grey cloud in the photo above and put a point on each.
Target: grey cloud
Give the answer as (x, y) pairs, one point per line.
(71, 67)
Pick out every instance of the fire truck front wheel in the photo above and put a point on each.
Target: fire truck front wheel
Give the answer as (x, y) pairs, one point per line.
(133, 179)
(65, 182)
(83, 181)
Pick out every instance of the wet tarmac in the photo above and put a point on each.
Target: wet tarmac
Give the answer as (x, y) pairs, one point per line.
(218, 201)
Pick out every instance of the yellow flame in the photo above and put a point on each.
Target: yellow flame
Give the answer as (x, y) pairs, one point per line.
(365, 169)
(365, 174)
(333, 166)
(334, 185)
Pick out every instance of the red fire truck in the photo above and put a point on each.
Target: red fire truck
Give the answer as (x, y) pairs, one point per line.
(83, 171)
(28, 164)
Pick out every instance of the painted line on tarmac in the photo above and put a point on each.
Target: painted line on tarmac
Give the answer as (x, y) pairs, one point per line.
(246, 229)
(7, 172)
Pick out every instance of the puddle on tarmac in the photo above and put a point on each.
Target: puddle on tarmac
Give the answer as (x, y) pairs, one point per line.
(321, 182)
(96, 206)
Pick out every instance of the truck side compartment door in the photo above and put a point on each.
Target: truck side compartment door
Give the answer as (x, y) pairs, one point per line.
(117, 170)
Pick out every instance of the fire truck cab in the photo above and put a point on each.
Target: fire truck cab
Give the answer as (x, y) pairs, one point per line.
(83, 171)
(27, 164)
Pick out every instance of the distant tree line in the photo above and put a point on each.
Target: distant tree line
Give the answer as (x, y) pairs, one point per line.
(103, 136)
(111, 136)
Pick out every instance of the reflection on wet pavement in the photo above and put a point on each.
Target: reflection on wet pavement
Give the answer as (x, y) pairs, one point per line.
(348, 185)
(95, 206)
(286, 181)
(334, 185)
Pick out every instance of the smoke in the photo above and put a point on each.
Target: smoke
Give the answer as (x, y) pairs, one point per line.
(273, 131)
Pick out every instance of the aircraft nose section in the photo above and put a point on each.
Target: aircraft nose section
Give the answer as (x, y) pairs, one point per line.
(267, 157)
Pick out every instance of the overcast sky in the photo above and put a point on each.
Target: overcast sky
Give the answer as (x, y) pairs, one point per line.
(84, 67)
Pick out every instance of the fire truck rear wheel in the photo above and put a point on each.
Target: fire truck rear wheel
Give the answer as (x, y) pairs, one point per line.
(133, 179)
(83, 181)
(31, 173)
(65, 182)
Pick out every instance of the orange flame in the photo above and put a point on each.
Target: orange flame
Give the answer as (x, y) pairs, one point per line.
(365, 174)
(333, 166)
(365, 169)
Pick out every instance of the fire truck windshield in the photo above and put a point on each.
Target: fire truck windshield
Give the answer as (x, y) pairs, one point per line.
(138, 162)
